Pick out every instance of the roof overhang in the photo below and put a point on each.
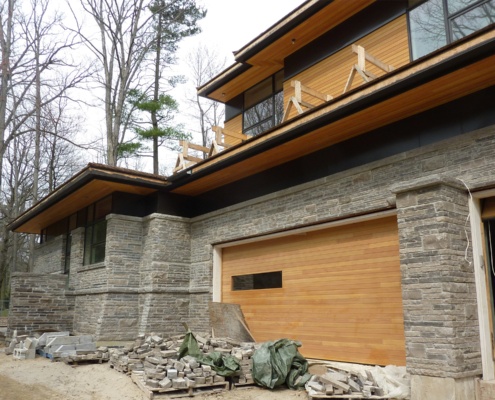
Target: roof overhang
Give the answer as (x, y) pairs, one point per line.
(265, 54)
(89, 185)
(454, 72)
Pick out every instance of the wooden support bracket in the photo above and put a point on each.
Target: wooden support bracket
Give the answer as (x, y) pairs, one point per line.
(360, 67)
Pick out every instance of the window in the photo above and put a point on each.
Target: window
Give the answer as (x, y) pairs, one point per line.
(96, 231)
(94, 242)
(435, 23)
(263, 105)
(265, 280)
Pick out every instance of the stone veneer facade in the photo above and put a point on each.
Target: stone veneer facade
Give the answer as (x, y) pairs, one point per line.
(158, 269)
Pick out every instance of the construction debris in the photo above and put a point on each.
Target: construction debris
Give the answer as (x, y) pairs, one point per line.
(57, 346)
(154, 364)
(351, 381)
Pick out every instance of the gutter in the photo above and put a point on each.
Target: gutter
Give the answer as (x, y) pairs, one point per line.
(453, 63)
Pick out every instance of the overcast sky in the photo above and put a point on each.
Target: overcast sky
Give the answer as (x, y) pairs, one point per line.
(230, 24)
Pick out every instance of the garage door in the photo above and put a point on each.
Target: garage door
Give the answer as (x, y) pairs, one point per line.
(336, 290)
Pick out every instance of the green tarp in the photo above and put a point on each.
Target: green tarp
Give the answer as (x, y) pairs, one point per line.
(279, 362)
(222, 364)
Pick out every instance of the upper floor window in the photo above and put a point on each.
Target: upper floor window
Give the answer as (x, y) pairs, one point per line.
(264, 105)
(96, 231)
(436, 23)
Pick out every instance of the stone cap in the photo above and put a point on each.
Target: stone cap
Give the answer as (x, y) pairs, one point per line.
(429, 181)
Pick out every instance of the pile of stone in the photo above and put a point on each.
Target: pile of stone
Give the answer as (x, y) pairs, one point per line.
(335, 383)
(156, 360)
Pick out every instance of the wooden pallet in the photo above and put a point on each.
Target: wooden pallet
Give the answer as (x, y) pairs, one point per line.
(172, 393)
(345, 396)
(77, 363)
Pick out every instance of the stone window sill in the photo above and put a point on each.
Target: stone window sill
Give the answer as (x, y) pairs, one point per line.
(91, 267)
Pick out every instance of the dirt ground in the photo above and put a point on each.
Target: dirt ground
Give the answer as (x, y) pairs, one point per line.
(41, 379)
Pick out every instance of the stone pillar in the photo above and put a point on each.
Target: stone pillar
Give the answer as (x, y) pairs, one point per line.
(439, 294)
(164, 274)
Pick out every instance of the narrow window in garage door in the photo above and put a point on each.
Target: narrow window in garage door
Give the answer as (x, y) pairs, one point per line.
(266, 280)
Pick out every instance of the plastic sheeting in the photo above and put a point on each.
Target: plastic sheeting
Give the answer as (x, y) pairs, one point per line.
(222, 364)
(279, 362)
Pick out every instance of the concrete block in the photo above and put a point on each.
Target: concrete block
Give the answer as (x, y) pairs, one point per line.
(172, 373)
(200, 380)
(169, 353)
(179, 383)
(165, 383)
(42, 340)
(86, 347)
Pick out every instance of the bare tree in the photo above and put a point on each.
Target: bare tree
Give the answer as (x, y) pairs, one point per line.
(127, 37)
(36, 70)
(203, 65)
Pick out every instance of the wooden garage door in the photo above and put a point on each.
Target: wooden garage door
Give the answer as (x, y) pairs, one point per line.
(340, 295)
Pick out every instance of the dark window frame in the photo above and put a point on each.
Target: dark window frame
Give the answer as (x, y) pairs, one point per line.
(447, 21)
(273, 118)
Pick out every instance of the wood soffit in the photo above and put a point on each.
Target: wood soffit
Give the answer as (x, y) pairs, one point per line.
(415, 88)
(265, 54)
(91, 184)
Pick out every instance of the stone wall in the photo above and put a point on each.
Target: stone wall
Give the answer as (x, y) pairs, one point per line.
(49, 257)
(39, 303)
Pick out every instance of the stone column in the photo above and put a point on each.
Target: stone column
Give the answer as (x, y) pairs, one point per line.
(438, 286)
(164, 274)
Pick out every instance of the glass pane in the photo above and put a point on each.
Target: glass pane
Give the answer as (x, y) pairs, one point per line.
(100, 232)
(258, 93)
(279, 107)
(258, 113)
(457, 5)
(260, 128)
(427, 25)
(98, 253)
(473, 20)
